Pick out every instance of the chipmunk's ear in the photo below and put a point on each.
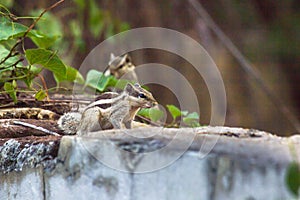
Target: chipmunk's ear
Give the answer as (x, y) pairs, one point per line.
(112, 57)
(129, 88)
(137, 85)
(127, 58)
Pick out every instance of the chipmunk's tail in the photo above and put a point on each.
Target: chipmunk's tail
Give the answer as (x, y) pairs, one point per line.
(69, 122)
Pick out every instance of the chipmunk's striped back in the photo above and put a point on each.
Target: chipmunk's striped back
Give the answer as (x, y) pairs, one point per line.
(119, 109)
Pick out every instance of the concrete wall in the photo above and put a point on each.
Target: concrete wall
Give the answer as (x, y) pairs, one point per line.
(244, 164)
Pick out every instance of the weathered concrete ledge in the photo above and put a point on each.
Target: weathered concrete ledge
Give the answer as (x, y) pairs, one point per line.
(200, 163)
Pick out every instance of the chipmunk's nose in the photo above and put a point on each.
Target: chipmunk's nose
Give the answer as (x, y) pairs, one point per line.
(150, 104)
(154, 103)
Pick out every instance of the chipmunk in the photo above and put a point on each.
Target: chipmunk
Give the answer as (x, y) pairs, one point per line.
(114, 111)
(121, 67)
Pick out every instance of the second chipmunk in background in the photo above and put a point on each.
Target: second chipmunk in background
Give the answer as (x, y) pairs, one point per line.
(121, 67)
(114, 111)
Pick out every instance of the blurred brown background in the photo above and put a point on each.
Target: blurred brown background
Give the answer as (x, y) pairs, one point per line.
(267, 32)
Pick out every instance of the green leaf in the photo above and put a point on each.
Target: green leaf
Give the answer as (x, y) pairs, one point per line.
(175, 112)
(193, 115)
(192, 119)
(49, 24)
(191, 122)
(31, 72)
(3, 72)
(9, 29)
(40, 95)
(151, 113)
(10, 89)
(49, 29)
(293, 178)
(155, 114)
(35, 70)
(144, 112)
(47, 59)
(3, 53)
(96, 80)
(72, 75)
(42, 40)
(184, 113)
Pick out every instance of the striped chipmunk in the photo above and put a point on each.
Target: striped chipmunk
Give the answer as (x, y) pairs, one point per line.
(112, 110)
(121, 67)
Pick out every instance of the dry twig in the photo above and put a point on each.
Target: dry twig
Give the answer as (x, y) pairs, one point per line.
(36, 128)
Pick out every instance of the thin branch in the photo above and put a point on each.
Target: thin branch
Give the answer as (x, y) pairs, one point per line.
(245, 64)
(16, 63)
(36, 128)
(13, 78)
(57, 100)
(44, 85)
(44, 11)
(8, 14)
(149, 121)
(11, 52)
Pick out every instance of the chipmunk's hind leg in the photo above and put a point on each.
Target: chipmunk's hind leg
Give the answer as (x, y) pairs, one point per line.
(89, 121)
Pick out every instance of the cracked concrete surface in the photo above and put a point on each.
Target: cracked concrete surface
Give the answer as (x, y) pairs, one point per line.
(244, 164)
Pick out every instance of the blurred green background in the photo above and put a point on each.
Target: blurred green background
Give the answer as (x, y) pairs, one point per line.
(267, 32)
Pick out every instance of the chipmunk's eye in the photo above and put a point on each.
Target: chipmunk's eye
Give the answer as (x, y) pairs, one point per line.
(141, 95)
(121, 66)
